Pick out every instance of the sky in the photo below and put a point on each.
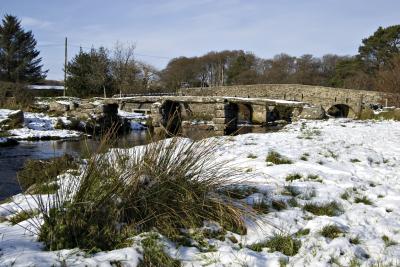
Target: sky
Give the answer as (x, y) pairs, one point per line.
(162, 30)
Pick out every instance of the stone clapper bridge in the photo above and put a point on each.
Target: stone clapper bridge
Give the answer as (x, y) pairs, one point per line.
(167, 112)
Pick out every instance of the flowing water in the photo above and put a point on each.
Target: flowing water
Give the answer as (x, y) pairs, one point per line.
(12, 158)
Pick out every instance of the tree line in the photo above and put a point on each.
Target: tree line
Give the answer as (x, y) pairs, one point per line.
(375, 67)
(102, 71)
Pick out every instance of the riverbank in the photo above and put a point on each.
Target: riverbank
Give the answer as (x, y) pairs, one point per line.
(332, 185)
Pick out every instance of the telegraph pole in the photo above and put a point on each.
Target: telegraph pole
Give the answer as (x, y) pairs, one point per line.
(65, 64)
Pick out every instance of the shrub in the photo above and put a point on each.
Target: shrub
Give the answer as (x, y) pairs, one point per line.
(328, 209)
(331, 231)
(276, 158)
(279, 242)
(168, 186)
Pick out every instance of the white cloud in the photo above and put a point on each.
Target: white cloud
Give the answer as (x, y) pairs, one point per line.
(35, 23)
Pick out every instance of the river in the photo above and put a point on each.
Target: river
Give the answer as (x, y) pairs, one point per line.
(13, 158)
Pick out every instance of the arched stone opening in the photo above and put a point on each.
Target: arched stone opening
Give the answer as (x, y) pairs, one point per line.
(339, 111)
(245, 113)
(171, 117)
(280, 113)
(231, 118)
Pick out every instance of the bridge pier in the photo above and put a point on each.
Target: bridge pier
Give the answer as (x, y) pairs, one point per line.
(225, 118)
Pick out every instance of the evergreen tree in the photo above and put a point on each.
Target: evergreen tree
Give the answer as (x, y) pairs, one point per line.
(19, 60)
(89, 74)
(379, 49)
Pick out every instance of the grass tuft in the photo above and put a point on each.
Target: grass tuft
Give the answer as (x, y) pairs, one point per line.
(293, 176)
(363, 200)
(328, 209)
(331, 231)
(388, 242)
(169, 185)
(23, 216)
(154, 254)
(279, 242)
(303, 232)
(276, 158)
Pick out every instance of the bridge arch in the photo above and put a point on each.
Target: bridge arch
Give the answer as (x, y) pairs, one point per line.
(244, 113)
(171, 118)
(280, 113)
(341, 111)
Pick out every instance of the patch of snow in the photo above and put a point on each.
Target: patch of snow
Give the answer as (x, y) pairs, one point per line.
(132, 115)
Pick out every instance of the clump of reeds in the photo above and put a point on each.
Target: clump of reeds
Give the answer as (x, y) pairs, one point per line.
(168, 185)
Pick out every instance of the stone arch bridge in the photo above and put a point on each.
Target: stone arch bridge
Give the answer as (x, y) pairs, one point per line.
(338, 102)
(226, 112)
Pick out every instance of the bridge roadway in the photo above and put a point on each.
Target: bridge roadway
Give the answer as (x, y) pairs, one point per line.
(203, 99)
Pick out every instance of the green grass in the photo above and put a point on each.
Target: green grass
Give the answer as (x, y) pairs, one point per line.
(354, 240)
(331, 231)
(354, 160)
(293, 202)
(154, 254)
(276, 158)
(345, 195)
(292, 177)
(363, 200)
(303, 232)
(39, 176)
(314, 177)
(279, 242)
(388, 242)
(328, 209)
(23, 216)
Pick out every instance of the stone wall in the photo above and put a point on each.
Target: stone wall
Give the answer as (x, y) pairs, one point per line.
(318, 95)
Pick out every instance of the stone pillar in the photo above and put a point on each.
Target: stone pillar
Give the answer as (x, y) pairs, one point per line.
(156, 114)
(296, 113)
(219, 119)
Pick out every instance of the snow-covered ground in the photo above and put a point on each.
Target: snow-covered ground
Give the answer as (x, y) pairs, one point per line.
(40, 126)
(346, 159)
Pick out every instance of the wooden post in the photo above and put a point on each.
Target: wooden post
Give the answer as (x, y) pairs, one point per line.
(65, 64)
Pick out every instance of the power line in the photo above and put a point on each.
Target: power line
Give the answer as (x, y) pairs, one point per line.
(86, 47)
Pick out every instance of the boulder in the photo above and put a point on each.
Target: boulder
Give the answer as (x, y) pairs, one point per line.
(312, 113)
(59, 106)
(14, 119)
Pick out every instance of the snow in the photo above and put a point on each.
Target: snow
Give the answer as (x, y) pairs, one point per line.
(137, 120)
(5, 113)
(41, 126)
(132, 115)
(361, 158)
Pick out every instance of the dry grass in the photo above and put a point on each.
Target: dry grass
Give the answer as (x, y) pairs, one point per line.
(169, 185)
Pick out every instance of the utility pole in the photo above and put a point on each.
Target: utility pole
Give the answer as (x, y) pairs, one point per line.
(65, 64)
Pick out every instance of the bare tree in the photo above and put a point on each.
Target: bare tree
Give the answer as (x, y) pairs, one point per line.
(124, 67)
